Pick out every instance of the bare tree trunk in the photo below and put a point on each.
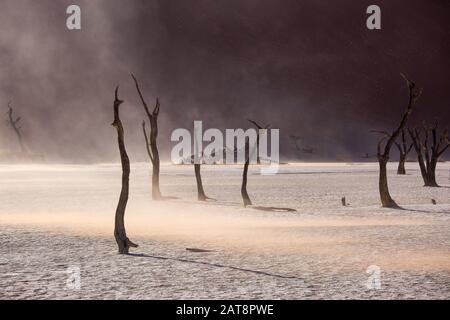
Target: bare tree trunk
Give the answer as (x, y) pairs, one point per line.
(386, 200)
(258, 160)
(383, 155)
(200, 191)
(150, 141)
(258, 127)
(14, 124)
(401, 164)
(119, 226)
(432, 173)
(198, 159)
(156, 192)
(415, 137)
(404, 151)
(245, 197)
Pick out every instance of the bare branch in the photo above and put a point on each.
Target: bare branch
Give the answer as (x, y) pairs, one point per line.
(13, 123)
(443, 150)
(147, 144)
(141, 96)
(255, 123)
(380, 142)
(387, 134)
(409, 149)
(156, 109)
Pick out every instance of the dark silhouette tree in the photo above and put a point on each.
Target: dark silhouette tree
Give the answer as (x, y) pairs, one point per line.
(258, 127)
(404, 150)
(389, 139)
(197, 159)
(244, 193)
(150, 141)
(428, 155)
(119, 225)
(200, 191)
(14, 123)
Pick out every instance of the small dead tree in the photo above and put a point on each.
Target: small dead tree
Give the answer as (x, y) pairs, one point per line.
(404, 151)
(383, 153)
(245, 197)
(258, 127)
(428, 156)
(200, 191)
(201, 196)
(119, 226)
(14, 124)
(150, 141)
(296, 140)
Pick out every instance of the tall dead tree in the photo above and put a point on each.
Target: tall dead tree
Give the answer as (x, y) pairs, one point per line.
(150, 141)
(383, 153)
(245, 197)
(14, 125)
(428, 155)
(119, 225)
(258, 127)
(403, 149)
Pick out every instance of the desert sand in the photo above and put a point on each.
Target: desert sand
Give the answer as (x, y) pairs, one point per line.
(58, 218)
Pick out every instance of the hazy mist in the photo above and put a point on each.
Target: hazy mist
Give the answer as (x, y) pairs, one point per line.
(308, 68)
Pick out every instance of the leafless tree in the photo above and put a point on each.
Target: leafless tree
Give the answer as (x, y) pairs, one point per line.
(428, 156)
(245, 197)
(197, 159)
(296, 140)
(389, 139)
(14, 123)
(200, 191)
(150, 141)
(403, 150)
(247, 202)
(258, 127)
(119, 226)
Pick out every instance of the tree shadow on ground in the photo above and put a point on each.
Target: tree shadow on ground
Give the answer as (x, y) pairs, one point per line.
(421, 210)
(218, 265)
(273, 209)
(164, 198)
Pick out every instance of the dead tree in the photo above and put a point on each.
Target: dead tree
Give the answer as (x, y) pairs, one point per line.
(14, 124)
(119, 226)
(296, 139)
(258, 160)
(197, 159)
(403, 150)
(150, 141)
(245, 197)
(383, 153)
(428, 156)
(344, 201)
(200, 191)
